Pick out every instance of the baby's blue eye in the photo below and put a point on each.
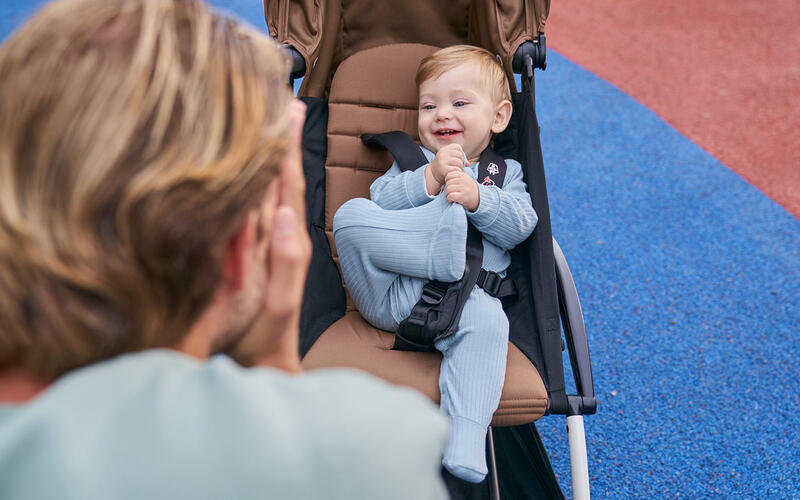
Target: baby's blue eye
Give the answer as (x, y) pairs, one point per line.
(428, 107)
(458, 104)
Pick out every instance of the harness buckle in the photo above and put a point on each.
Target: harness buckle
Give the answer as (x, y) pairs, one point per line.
(490, 281)
(433, 292)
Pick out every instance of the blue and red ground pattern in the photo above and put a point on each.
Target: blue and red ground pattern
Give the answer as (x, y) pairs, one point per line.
(671, 139)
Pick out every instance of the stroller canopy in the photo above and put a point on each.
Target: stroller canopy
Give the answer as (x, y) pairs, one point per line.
(326, 32)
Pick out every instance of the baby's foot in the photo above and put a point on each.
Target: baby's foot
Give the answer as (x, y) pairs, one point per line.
(465, 453)
(465, 473)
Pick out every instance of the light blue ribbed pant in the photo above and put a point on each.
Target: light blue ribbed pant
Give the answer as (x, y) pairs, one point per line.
(386, 257)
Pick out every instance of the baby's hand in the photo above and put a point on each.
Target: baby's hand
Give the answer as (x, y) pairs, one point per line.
(461, 188)
(448, 159)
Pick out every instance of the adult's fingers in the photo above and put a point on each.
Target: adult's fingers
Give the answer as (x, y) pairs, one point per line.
(288, 258)
(290, 246)
(289, 255)
(293, 186)
(273, 339)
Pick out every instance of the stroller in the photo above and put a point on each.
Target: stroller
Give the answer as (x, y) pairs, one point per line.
(358, 58)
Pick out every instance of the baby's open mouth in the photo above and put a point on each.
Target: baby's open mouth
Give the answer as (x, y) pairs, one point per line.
(447, 132)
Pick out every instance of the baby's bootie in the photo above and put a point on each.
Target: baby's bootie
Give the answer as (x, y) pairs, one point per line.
(465, 452)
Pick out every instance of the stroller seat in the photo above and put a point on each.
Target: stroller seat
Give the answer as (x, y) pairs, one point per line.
(354, 343)
(373, 91)
(358, 59)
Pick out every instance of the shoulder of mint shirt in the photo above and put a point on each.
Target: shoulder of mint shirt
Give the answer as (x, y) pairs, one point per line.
(159, 424)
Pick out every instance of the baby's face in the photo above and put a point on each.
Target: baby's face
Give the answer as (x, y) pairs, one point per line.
(457, 108)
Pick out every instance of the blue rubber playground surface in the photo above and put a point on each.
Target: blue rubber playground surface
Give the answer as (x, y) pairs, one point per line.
(689, 279)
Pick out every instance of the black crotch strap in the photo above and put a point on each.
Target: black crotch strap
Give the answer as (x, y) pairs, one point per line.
(435, 316)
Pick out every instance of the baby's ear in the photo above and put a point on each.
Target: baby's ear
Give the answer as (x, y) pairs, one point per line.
(501, 117)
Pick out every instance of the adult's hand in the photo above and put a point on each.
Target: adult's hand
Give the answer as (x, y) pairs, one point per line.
(274, 338)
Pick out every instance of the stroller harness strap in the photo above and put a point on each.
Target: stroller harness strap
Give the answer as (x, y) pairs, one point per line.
(402, 147)
(495, 285)
(435, 316)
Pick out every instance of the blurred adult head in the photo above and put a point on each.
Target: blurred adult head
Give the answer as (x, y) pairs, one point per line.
(137, 139)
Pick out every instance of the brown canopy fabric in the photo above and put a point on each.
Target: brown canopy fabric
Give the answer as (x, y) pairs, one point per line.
(326, 32)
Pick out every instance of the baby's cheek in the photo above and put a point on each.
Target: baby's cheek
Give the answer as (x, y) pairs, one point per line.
(428, 143)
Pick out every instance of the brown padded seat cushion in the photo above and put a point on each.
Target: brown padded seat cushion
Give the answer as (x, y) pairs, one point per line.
(374, 91)
(352, 342)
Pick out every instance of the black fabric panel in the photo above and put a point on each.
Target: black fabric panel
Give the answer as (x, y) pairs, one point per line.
(323, 299)
(533, 315)
(523, 467)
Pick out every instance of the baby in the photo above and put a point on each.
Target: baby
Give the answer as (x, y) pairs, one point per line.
(415, 228)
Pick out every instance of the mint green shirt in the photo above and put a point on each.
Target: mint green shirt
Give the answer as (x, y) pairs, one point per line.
(159, 424)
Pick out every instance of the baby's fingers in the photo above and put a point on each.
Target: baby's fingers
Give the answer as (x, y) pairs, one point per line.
(453, 174)
(457, 158)
(456, 148)
(455, 196)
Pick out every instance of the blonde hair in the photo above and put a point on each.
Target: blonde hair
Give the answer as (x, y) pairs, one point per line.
(443, 60)
(135, 136)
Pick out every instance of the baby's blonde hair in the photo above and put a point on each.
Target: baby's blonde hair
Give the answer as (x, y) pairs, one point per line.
(442, 61)
(135, 137)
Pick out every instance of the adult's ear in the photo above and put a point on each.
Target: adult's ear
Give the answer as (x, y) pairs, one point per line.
(501, 117)
(240, 247)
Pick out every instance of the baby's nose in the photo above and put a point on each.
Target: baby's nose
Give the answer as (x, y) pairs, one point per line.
(442, 112)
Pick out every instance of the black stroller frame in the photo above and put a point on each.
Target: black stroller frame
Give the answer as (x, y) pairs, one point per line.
(518, 464)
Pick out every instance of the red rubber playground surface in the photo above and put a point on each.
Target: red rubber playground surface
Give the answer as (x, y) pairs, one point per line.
(726, 74)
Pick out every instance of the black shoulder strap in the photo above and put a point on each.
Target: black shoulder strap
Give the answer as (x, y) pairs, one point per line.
(408, 155)
(406, 152)
(492, 168)
(471, 270)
